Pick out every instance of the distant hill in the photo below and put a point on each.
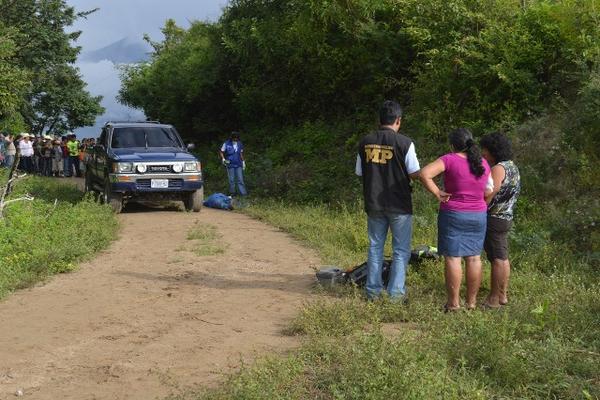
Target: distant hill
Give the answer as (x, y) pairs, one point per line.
(124, 51)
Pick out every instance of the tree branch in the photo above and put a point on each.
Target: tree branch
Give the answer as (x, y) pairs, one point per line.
(24, 198)
(3, 203)
(84, 14)
(7, 189)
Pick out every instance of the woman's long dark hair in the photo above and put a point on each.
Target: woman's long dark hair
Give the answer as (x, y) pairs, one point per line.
(462, 141)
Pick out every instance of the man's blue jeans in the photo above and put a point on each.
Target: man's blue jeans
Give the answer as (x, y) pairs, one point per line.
(401, 227)
(236, 174)
(9, 160)
(68, 166)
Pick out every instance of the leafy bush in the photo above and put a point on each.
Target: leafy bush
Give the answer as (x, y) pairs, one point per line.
(484, 64)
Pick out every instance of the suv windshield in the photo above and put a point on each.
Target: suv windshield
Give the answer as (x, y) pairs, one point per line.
(144, 137)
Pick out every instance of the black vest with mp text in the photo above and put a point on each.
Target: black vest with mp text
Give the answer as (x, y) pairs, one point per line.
(386, 183)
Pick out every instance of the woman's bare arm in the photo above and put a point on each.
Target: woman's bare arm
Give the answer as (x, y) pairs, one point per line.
(430, 171)
(498, 174)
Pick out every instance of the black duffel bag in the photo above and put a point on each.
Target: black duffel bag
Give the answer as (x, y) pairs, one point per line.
(330, 276)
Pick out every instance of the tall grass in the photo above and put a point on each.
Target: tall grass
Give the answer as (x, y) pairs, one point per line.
(50, 234)
(545, 344)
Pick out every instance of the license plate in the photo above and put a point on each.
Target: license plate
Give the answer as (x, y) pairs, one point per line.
(159, 183)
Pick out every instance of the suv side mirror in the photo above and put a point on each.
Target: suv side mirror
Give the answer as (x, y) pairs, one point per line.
(191, 146)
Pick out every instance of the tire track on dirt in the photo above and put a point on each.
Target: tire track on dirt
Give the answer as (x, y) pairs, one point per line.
(145, 319)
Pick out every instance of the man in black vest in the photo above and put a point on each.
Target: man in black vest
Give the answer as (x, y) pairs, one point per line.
(387, 161)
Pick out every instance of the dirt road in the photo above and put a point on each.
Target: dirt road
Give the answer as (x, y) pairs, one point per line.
(151, 316)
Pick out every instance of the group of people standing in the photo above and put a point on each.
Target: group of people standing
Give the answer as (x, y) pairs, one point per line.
(45, 155)
(481, 185)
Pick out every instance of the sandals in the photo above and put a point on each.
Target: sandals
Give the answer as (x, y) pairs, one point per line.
(448, 309)
(471, 307)
(488, 306)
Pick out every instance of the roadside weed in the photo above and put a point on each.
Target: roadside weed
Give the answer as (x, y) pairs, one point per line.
(203, 232)
(205, 241)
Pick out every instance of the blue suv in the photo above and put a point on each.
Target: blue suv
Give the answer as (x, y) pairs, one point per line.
(143, 161)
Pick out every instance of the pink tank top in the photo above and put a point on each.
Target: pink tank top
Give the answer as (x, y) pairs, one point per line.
(468, 191)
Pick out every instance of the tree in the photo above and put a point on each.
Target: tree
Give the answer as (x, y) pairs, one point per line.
(185, 84)
(59, 102)
(485, 64)
(56, 99)
(13, 80)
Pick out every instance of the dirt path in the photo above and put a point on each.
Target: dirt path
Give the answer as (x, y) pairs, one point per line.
(148, 317)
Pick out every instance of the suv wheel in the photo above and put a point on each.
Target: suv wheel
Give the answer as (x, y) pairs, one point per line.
(115, 200)
(193, 201)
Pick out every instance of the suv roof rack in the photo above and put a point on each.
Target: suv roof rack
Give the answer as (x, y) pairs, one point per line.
(131, 122)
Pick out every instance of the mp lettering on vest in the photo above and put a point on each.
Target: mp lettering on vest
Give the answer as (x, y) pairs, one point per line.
(378, 154)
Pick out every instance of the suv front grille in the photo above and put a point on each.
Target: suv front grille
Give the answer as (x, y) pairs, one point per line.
(159, 168)
(145, 184)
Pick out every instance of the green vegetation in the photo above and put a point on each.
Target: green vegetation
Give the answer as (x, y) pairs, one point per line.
(482, 63)
(302, 80)
(545, 344)
(205, 241)
(40, 89)
(41, 238)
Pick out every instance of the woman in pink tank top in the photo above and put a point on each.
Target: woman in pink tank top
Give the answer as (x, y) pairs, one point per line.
(462, 218)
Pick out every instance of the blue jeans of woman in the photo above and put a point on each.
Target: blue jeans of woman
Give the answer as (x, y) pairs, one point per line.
(378, 226)
(236, 174)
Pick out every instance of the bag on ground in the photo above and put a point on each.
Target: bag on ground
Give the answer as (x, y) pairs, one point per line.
(219, 201)
(330, 276)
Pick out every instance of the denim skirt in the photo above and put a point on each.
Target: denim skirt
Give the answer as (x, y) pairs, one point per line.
(461, 234)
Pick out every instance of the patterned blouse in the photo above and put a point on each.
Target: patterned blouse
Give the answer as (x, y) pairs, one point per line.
(503, 203)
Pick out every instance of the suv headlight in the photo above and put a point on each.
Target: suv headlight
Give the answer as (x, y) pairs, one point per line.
(191, 167)
(122, 168)
(141, 168)
(177, 168)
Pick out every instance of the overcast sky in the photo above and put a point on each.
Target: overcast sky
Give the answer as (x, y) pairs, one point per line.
(118, 19)
(132, 18)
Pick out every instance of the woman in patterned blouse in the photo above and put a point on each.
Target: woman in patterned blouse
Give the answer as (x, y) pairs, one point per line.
(496, 149)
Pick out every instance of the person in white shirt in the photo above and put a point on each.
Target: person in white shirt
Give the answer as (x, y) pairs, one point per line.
(26, 150)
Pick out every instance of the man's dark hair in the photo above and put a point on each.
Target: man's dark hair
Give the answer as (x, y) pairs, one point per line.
(389, 112)
(498, 145)
(235, 134)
